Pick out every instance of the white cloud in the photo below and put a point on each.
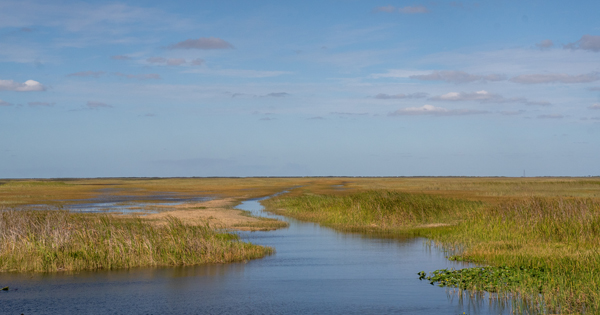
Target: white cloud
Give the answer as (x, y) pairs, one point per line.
(97, 105)
(587, 42)
(202, 43)
(383, 96)
(397, 73)
(458, 77)
(475, 96)
(27, 86)
(435, 111)
(556, 78)
(5, 103)
(595, 106)
(486, 97)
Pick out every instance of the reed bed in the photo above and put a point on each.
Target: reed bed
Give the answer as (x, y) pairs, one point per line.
(558, 236)
(375, 210)
(56, 240)
(544, 250)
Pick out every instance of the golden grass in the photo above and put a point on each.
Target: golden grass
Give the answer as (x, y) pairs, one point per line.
(60, 241)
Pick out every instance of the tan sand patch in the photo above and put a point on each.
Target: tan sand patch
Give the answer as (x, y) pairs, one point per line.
(219, 213)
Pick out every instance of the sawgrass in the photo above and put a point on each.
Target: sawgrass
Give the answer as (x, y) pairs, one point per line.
(55, 240)
(375, 211)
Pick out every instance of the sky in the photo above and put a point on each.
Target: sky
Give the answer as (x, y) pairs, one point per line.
(302, 88)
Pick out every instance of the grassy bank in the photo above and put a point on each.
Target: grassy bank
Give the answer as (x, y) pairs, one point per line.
(543, 249)
(59, 240)
(377, 211)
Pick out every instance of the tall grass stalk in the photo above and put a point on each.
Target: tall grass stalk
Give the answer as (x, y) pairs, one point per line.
(60, 240)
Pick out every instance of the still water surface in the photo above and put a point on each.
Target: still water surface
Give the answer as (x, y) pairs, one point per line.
(314, 271)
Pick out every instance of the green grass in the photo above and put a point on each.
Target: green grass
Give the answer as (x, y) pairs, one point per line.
(543, 249)
(376, 211)
(59, 240)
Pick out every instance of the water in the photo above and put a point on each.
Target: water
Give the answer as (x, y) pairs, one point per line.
(315, 271)
(108, 201)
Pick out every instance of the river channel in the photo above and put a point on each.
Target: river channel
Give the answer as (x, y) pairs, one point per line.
(315, 270)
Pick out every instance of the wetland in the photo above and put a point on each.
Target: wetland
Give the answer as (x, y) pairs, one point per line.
(328, 245)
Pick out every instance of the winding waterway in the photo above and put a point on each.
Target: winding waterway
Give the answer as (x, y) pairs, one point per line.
(315, 270)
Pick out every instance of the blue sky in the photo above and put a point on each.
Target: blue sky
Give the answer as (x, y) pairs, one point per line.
(273, 88)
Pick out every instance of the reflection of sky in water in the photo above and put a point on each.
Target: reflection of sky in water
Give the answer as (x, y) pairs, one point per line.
(127, 204)
(315, 270)
(132, 204)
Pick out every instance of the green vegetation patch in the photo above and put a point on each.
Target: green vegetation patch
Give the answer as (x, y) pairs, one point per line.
(376, 210)
(490, 279)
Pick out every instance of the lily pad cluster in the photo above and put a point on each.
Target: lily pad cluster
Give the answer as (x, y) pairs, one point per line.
(490, 279)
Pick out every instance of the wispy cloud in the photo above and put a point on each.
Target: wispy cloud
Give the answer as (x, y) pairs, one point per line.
(97, 105)
(27, 86)
(595, 106)
(5, 103)
(435, 111)
(545, 44)
(458, 77)
(485, 97)
(278, 94)
(550, 116)
(241, 73)
(595, 88)
(41, 104)
(413, 10)
(202, 43)
(512, 113)
(383, 96)
(587, 42)
(168, 62)
(94, 74)
(555, 78)
(197, 62)
(145, 76)
(120, 57)
(348, 114)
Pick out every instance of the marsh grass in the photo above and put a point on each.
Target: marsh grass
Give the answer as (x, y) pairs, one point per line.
(59, 240)
(376, 211)
(543, 250)
(560, 236)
